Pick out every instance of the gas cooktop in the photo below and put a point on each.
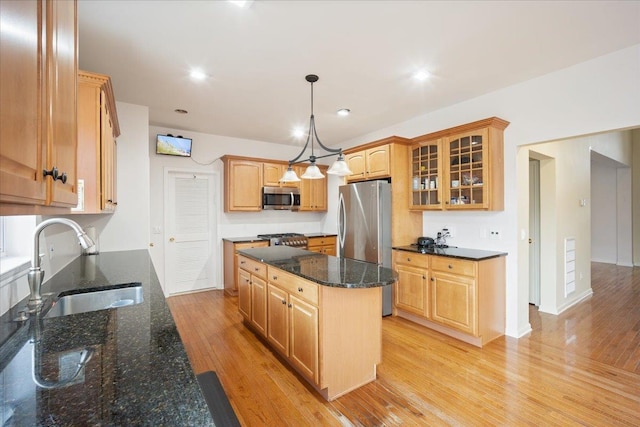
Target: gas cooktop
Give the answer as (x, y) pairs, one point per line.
(279, 235)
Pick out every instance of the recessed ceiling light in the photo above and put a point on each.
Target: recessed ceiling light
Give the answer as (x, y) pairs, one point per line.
(241, 3)
(421, 75)
(181, 111)
(344, 112)
(197, 74)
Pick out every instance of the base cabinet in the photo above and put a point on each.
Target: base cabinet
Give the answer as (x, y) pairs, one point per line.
(252, 293)
(411, 291)
(323, 245)
(461, 298)
(293, 330)
(331, 336)
(230, 248)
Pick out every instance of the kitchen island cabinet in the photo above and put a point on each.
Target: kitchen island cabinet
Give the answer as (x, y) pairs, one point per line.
(323, 315)
(231, 246)
(459, 292)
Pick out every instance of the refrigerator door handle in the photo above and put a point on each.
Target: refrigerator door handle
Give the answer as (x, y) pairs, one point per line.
(342, 220)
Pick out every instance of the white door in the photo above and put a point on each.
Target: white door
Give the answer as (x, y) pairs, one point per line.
(534, 232)
(190, 225)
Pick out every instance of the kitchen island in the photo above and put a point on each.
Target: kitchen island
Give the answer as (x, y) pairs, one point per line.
(138, 372)
(322, 314)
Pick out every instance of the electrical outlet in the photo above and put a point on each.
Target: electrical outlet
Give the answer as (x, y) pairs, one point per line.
(495, 234)
(448, 231)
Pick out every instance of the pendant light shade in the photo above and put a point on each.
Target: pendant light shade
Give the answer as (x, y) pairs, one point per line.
(312, 172)
(339, 167)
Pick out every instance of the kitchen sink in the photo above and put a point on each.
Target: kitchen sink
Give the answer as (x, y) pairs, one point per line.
(83, 301)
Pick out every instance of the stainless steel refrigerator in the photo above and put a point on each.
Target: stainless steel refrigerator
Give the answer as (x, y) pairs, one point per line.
(364, 227)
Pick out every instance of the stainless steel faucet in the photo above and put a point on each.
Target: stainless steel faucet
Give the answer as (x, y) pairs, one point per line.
(36, 274)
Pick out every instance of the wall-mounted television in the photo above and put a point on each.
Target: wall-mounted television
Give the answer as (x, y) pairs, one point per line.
(173, 145)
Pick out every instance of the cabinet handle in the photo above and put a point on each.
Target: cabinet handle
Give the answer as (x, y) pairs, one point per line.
(289, 305)
(256, 268)
(53, 172)
(284, 302)
(408, 259)
(424, 277)
(275, 277)
(241, 262)
(450, 266)
(433, 280)
(300, 289)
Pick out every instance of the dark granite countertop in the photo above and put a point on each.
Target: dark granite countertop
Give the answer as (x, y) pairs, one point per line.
(320, 234)
(323, 269)
(463, 253)
(138, 372)
(243, 239)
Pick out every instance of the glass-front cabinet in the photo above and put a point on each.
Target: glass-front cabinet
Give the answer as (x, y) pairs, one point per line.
(426, 179)
(466, 165)
(461, 168)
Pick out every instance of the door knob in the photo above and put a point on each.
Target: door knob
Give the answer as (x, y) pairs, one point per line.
(171, 239)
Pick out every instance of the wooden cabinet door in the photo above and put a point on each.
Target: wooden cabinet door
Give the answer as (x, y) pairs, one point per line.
(278, 319)
(468, 166)
(411, 291)
(304, 337)
(271, 174)
(22, 143)
(244, 293)
(109, 198)
(259, 304)
(357, 165)
(313, 192)
(453, 300)
(62, 77)
(243, 185)
(426, 175)
(377, 162)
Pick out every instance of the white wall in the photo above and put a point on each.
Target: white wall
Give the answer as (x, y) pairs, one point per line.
(603, 212)
(592, 97)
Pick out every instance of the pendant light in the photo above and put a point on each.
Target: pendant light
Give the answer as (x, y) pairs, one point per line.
(339, 167)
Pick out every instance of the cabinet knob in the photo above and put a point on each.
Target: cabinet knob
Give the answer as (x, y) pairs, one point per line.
(300, 289)
(284, 302)
(424, 277)
(53, 173)
(63, 177)
(450, 266)
(433, 280)
(241, 262)
(408, 259)
(256, 269)
(275, 277)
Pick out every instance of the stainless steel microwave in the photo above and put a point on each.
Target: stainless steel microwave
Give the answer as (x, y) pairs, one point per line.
(281, 198)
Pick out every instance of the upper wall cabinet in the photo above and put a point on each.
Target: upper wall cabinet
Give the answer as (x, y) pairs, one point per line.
(371, 163)
(244, 178)
(461, 168)
(242, 184)
(97, 132)
(38, 79)
(272, 172)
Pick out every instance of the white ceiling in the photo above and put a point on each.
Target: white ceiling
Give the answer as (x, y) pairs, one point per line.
(363, 51)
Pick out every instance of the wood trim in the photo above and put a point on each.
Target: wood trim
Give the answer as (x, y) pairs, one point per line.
(388, 140)
(104, 82)
(493, 122)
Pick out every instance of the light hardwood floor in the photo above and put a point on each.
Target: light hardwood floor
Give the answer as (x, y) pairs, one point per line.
(579, 368)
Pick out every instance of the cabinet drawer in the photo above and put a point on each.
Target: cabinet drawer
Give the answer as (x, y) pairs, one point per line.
(321, 241)
(294, 285)
(252, 266)
(412, 259)
(250, 245)
(455, 266)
